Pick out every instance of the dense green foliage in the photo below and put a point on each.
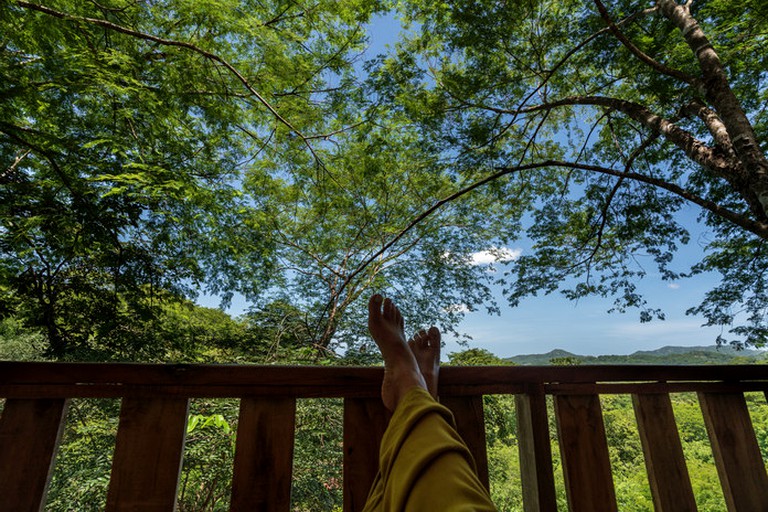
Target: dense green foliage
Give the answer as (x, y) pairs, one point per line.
(604, 121)
(115, 193)
(151, 151)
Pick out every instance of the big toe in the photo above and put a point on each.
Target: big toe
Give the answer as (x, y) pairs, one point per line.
(434, 335)
(374, 304)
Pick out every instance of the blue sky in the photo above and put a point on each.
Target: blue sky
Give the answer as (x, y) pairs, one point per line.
(541, 324)
(544, 323)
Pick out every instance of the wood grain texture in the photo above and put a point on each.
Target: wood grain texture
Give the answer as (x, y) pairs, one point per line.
(302, 381)
(148, 454)
(584, 450)
(365, 420)
(737, 454)
(470, 424)
(664, 459)
(30, 431)
(536, 474)
(154, 413)
(264, 455)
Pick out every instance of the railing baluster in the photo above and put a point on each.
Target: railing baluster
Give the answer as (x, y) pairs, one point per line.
(536, 474)
(470, 424)
(149, 449)
(30, 431)
(583, 447)
(737, 454)
(148, 453)
(664, 458)
(365, 420)
(264, 455)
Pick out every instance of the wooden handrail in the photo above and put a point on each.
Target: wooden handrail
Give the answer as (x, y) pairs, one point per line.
(155, 400)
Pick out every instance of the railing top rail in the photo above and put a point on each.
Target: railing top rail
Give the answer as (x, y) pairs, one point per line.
(135, 379)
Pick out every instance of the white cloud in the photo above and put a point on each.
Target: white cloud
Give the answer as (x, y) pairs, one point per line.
(495, 254)
(673, 286)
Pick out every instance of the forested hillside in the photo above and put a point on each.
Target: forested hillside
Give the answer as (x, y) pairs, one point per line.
(664, 355)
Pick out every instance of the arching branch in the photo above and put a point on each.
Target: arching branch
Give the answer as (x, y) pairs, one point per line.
(694, 148)
(758, 228)
(647, 59)
(712, 121)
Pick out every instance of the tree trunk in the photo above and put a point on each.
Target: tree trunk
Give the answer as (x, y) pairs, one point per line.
(753, 173)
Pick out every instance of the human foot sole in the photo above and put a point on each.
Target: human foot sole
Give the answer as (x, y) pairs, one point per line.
(401, 370)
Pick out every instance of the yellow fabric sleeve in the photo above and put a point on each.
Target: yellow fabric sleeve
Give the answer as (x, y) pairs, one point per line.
(424, 464)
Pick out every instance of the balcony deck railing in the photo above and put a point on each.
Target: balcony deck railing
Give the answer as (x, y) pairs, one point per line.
(154, 409)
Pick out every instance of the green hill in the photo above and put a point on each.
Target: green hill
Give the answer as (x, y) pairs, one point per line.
(665, 355)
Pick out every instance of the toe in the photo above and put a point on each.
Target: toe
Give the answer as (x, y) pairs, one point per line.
(389, 309)
(434, 334)
(374, 305)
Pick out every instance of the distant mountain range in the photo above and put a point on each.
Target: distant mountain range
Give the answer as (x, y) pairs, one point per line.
(665, 355)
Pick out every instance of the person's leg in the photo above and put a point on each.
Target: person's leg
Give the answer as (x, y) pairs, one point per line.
(424, 463)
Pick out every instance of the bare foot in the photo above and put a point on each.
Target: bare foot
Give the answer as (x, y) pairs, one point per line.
(425, 346)
(401, 371)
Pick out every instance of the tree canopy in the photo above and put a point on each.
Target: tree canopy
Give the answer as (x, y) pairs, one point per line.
(605, 120)
(151, 150)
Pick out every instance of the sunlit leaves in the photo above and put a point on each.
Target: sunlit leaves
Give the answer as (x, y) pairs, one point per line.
(492, 84)
(123, 138)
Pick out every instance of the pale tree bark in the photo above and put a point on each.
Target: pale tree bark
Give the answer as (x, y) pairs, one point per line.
(752, 174)
(695, 149)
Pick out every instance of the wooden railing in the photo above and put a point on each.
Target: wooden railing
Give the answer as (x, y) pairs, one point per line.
(155, 398)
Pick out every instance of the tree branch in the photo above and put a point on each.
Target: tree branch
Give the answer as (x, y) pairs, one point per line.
(7, 175)
(719, 93)
(694, 148)
(713, 123)
(180, 44)
(647, 59)
(565, 58)
(757, 227)
(9, 129)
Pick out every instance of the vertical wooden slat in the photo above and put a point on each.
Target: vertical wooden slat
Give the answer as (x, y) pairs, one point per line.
(365, 420)
(30, 431)
(536, 474)
(264, 455)
(583, 447)
(148, 453)
(664, 459)
(737, 454)
(470, 424)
